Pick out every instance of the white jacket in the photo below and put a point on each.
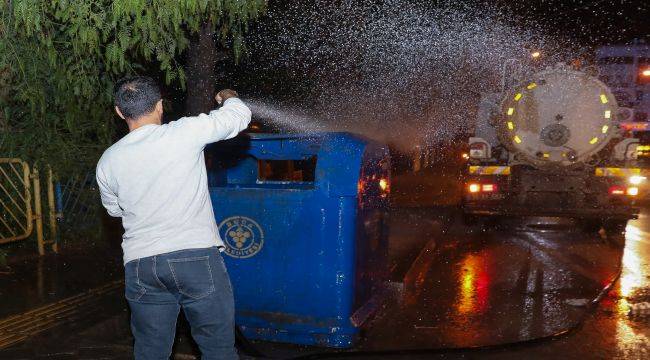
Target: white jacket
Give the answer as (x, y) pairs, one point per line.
(155, 179)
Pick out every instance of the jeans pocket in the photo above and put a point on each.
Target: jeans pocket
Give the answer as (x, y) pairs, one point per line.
(132, 289)
(193, 276)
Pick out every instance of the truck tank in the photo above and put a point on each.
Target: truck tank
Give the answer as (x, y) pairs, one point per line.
(557, 118)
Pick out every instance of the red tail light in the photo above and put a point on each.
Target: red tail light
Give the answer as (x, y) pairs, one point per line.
(484, 188)
(617, 190)
(488, 188)
(623, 190)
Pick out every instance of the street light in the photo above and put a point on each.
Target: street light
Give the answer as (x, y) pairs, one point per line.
(644, 76)
(535, 54)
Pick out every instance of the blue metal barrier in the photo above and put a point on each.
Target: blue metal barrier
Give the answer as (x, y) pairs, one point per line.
(304, 218)
(58, 196)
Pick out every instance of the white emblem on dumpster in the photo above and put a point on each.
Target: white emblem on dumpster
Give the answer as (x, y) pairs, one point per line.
(243, 236)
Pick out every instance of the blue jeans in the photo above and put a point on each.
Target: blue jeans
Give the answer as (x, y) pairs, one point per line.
(196, 280)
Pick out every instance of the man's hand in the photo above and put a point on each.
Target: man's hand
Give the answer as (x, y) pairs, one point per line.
(224, 95)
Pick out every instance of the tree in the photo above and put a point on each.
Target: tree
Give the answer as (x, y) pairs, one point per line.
(202, 57)
(59, 60)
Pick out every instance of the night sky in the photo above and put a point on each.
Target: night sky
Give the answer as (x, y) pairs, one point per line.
(593, 22)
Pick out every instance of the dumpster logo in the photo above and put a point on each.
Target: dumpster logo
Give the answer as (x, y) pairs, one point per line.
(243, 236)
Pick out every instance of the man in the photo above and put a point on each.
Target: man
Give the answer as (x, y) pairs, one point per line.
(155, 179)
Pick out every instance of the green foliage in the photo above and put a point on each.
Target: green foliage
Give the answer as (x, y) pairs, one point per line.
(60, 58)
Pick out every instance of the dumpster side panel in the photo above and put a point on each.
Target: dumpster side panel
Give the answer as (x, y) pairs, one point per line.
(298, 287)
(295, 250)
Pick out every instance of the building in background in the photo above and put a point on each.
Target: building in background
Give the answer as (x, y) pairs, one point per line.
(626, 70)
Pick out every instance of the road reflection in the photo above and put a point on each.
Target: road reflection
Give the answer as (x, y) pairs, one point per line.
(632, 276)
(473, 285)
(499, 286)
(633, 281)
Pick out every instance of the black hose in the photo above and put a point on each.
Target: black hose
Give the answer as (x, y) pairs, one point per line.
(245, 346)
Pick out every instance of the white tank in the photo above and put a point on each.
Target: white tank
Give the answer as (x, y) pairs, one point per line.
(558, 117)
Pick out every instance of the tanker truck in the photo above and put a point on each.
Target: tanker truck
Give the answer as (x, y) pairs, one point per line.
(549, 145)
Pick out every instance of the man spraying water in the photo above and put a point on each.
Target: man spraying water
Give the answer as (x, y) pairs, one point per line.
(155, 179)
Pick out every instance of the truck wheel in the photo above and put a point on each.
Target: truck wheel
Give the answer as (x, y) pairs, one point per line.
(615, 227)
(470, 220)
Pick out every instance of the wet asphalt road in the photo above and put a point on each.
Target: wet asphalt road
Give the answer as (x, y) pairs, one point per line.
(513, 285)
(455, 288)
(509, 283)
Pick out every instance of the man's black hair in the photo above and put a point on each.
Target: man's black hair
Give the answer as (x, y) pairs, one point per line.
(136, 96)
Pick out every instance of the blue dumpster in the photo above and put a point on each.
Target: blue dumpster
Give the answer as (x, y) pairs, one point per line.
(304, 219)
